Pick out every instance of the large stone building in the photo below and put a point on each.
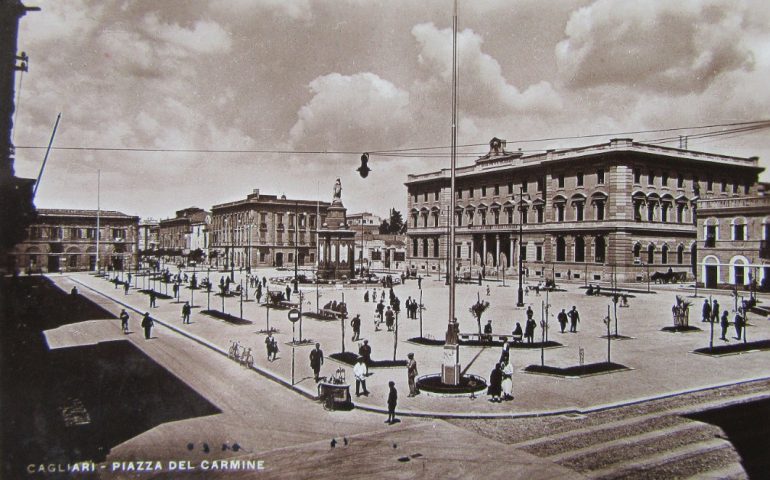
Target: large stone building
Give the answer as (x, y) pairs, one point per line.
(733, 238)
(621, 208)
(65, 240)
(149, 229)
(185, 233)
(265, 230)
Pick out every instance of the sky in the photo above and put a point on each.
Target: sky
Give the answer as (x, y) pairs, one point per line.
(259, 84)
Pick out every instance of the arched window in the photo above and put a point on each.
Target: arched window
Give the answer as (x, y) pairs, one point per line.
(651, 254)
(599, 248)
(680, 254)
(580, 249)
(664, 254)
(560, 249)
(435, 247)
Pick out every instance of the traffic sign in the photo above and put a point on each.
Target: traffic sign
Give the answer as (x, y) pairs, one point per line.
(293, 315)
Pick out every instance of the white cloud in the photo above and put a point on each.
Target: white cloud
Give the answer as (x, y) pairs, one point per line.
(205, 37)
(656, 45)
(352, 111)
(293, 9)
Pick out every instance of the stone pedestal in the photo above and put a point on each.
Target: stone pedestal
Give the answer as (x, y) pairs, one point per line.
(336, 245)
(450, 367)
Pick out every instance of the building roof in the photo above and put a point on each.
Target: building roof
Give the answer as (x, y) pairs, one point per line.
(68, 212)
(733, 206)
(257, 198)
(500, 160)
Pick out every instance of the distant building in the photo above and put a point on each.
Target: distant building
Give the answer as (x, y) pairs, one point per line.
(185, 233)
(65, 240)
(149, 229)
(734, 241)
(265, 231)
(615, 209)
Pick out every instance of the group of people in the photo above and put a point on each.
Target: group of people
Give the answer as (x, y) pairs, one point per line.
(411, 308)
(501, 378)
(710, 313)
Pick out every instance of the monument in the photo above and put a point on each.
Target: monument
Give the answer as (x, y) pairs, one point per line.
(336, 244)
(450, 367)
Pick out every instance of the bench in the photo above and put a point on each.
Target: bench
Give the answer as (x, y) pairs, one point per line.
(288, 304)
(329, 313)
(494, 337)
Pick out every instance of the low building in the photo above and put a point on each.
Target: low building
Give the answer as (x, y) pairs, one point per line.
(66, 240)
(265, 231)
(734, 241)
(185, 233)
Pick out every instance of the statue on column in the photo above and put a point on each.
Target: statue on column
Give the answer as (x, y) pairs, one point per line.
(338, 190)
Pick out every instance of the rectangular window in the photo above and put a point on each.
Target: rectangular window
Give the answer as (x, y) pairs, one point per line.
(600, 176)
(510, 188)
(540, 212)
(539, 253)
(425, 197)
(637, 176)
(740, 232)
(523, 252)
(579, 212)
(541, 184)
(724, 186)
(497, 190)
(735, 187)
(711, 236)
(435, 195)
(561, 180)
(579, 177)
(651, 178)
(484, 191)
(710, 185)
(524, 186)
(560, 212)
(746, 189)
(664, 179)
(680, 181)
(470, 193)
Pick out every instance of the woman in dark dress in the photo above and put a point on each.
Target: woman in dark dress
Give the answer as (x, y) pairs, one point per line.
(495, 384)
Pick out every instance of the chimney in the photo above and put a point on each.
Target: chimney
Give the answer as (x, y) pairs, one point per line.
(255, 192)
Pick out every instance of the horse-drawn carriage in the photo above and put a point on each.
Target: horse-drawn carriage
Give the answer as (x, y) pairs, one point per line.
(668, 277)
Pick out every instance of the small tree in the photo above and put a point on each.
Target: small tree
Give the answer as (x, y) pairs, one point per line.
(384, 227)
(477, 310)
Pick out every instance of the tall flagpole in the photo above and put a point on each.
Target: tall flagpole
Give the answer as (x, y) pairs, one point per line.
(450, 215)
(98, 213)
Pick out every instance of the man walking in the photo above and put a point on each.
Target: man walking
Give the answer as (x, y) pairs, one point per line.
(706, 316)
(124, 320)
(725, 324)
(125, 288)
(186, 309)
(715, 311)
(356, 324)
(153, 296)
(392, 402)
(389, 319)
(147, 324)
(562, 317)
(365, 352)
(316, 360)
(411, 371)
(288, 293)
(359, 371)
(738, 324)
(574, 318)
(272, 347)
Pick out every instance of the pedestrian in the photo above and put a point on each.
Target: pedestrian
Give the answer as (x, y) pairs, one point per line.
(153, 296)
(495, 384)
(125, 288)
(392, 402)
(389, 319)
(487, 336)
(507, 383)
(408, 305)
(264, 281)
(530, 313)
(706, 315)
(574, 318)
(124, 320)
(129, 278)
(272, 346)
(562, 317)
(715, 311)
(738, 324)
(176, 290)
(366, 296)
(316, 360)
(529, 330)
(356, 324)
(147, 324)
(488, 291)
(359, 371)
(517, 333)
(186, 310)
(411, 371)
(725, 324)
(288, 293)
(479, 278)
(569, 274)
(419, 282)
(365, 352)
(74, 291)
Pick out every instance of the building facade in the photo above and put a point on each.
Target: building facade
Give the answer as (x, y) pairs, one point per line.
(184, 233)
(149, 229)
(621, 209)
(733, 238)
(265, 231)
(66, 240)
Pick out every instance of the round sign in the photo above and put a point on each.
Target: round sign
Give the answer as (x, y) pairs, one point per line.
(293, 315)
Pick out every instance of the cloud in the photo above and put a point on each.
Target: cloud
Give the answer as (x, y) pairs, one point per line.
(351, 111)
(655, 45)
(293, 9)
(483, 89)
(205, 37)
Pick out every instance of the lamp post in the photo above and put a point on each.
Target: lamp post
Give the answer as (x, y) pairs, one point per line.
(520, 299)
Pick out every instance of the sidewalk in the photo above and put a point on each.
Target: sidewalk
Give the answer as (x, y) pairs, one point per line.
(661, 363)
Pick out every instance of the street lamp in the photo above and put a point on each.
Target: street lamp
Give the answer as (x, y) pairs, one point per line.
(520, 299)
(296, 251)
